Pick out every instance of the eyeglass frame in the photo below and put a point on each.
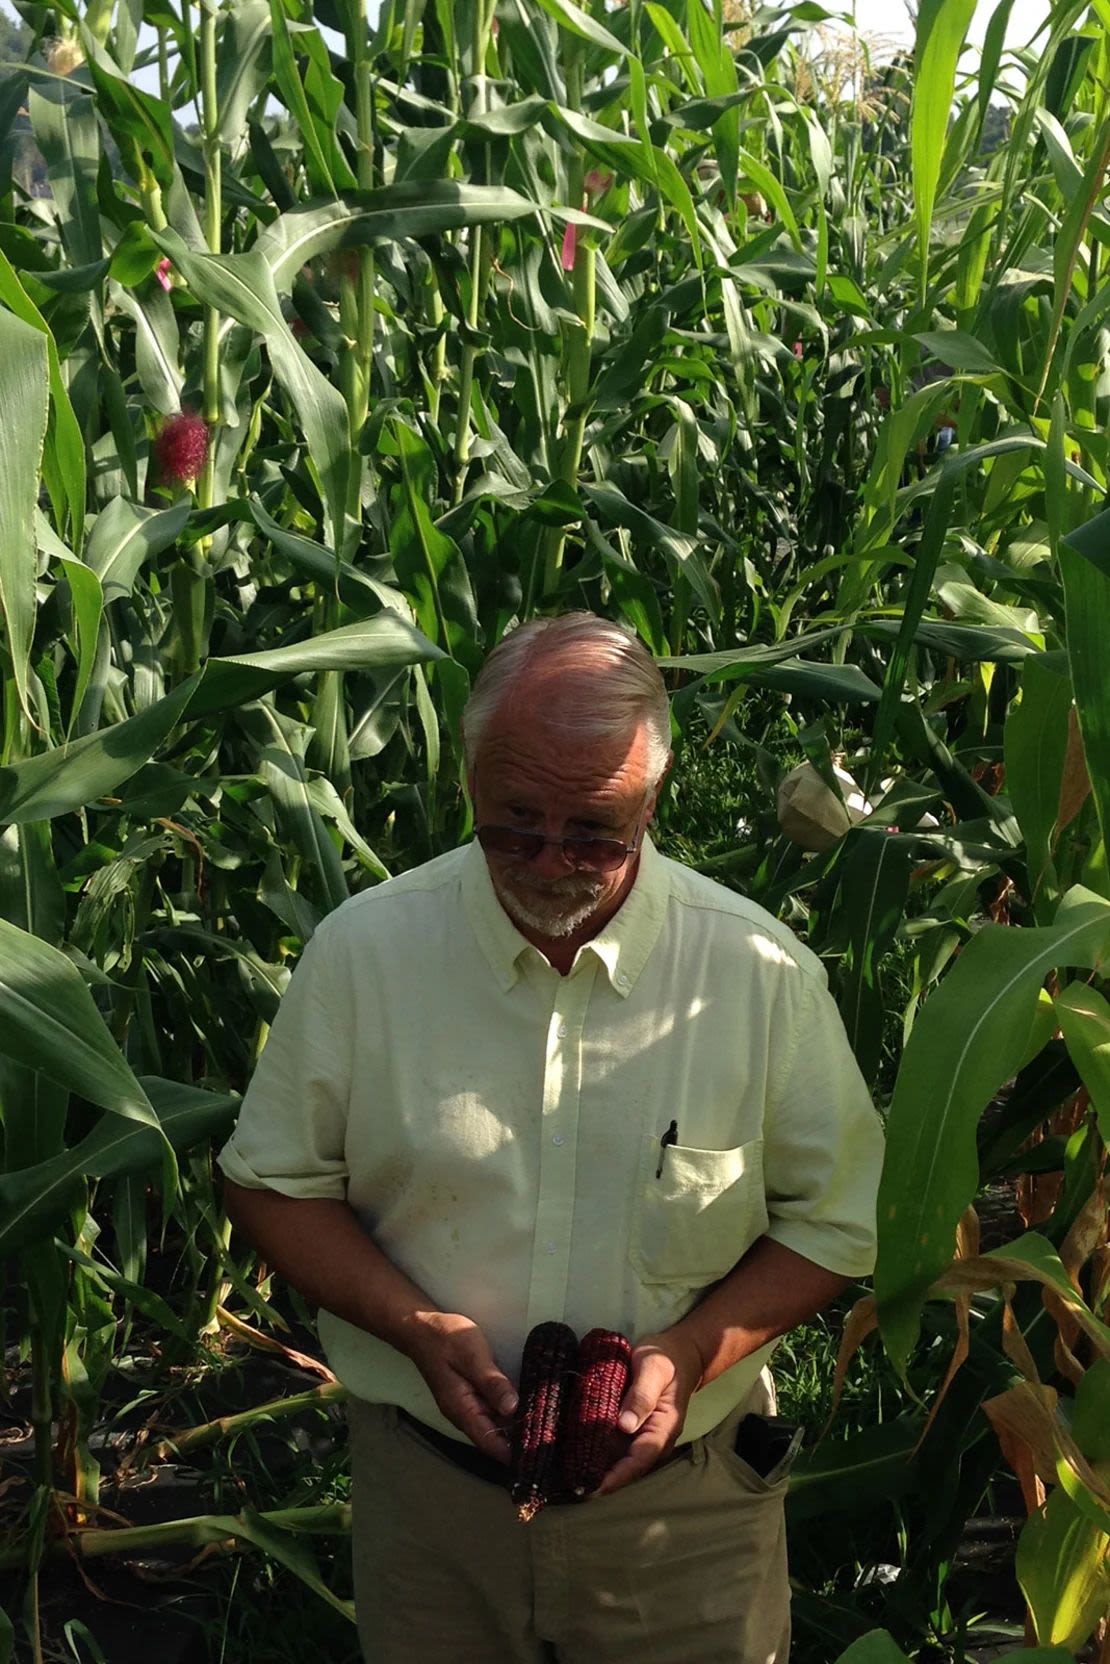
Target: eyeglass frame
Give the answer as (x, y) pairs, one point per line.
(539, 842)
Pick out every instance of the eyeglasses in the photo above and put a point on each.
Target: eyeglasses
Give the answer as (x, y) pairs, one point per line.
(585, 854)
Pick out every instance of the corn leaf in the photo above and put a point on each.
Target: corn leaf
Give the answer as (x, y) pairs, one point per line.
(35, 1199)
(1086, 573)
(49, 1022)
(969, 1037)
(24, 407)
(942, 27)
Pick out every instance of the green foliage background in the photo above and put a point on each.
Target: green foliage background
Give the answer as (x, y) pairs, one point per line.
(795, 362)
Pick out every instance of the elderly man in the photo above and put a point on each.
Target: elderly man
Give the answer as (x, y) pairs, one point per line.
(554, 1075)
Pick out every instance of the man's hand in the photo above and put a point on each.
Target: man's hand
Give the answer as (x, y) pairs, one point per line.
(323, 1250)
(763, 1296)
(666, 1368)
(453, 1356)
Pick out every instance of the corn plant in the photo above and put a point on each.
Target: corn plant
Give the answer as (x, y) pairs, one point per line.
(352, 344)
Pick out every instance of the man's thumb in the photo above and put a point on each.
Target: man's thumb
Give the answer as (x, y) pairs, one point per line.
(640, 1399)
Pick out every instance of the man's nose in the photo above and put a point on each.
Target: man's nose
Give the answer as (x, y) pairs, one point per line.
(551, 862)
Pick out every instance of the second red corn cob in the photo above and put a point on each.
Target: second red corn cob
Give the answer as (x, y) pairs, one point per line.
(592, 1441)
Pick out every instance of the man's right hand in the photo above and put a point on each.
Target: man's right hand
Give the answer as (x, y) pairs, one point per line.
(320, 1247)
(453, 1356)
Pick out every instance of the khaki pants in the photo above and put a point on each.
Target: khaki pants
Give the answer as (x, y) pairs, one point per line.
(686, 1566)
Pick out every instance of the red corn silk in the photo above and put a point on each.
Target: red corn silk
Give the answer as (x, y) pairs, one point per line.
(181, 447)
(570, 247)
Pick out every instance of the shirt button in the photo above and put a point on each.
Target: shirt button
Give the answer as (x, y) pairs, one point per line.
(557, 1138)
(622, 982)
(562, 1031)
(552, 1247)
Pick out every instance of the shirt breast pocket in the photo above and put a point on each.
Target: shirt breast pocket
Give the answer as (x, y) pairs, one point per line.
(693, 1221)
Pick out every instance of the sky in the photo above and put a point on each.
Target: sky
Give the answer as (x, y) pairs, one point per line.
(891, 19)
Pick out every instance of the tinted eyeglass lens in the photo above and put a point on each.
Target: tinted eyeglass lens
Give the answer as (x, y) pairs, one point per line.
(597, 854)
(503, 840)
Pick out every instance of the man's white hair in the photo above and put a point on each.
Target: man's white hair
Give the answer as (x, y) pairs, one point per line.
(633, 689)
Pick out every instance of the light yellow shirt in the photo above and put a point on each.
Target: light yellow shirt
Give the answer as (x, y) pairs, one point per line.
(496, 1126)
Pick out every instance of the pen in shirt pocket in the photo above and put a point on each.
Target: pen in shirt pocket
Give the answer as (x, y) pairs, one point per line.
(669, 1137)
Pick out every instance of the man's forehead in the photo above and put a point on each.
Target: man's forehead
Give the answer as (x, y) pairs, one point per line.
(541, 745)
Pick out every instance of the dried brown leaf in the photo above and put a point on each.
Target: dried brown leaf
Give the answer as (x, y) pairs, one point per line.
(860, 1322)
(1075, 783)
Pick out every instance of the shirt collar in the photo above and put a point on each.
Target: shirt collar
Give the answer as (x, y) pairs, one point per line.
(622, 948)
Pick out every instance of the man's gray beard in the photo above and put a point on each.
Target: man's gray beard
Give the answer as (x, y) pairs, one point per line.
(555, 912)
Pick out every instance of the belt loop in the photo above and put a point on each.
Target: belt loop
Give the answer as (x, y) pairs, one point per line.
(699, 1454)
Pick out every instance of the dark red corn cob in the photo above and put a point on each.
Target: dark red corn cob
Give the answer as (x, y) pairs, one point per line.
(545, 1368)
(592, 1441)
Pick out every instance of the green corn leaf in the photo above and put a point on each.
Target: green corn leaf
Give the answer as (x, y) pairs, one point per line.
(139, 121)
(580, 23)
(1090, 1422)
(969, 1037)
(242, 286)
(31, 894)
(1084, 1017)
(64, 460)
(925, 564)
(1064, 1572)
(959, 351)
(291, 89)
(88, 609)
(416, 208)
(942, 27)
(681, 552)
(34, 1200)
(242, 70)
(124, 536)
(283, 772)
(846, 1476)
(873, 889)
(383, 641)
(842, 684)
(760, 656)
(66, 131)
(49, 1022)
(1086, 573)
(70, 776)
(157, 344)
(628, 156)
(1035, 749)
(678, 47)
(358, 589)
(283, 1547)
(764, 180)
(876, 1647)
(24, 407)
(967, 643)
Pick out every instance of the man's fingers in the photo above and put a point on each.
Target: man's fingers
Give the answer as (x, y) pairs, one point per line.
(479, 1369)
(499, 1393)
(471, 1416)
(643, 1454)
(475, 1416)
(491, 1440)
(651, 1374)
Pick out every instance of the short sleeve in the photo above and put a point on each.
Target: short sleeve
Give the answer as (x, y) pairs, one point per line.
(823, 1144)
(291, 1131)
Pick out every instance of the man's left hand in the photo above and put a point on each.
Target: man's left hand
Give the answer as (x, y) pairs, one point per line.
(666, 1368)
